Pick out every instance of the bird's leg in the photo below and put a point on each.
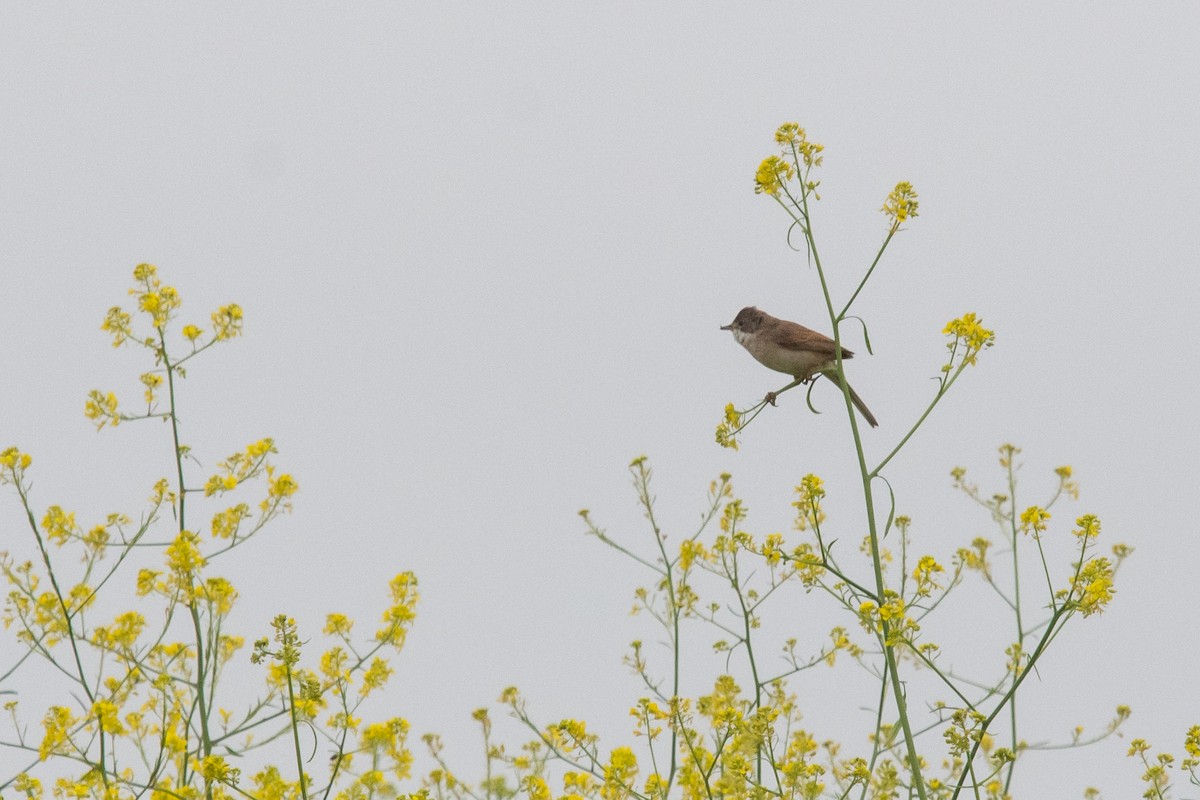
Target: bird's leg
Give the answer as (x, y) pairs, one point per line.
(771, 396)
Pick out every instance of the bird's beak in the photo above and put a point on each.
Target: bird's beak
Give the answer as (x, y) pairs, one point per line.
(728, 327)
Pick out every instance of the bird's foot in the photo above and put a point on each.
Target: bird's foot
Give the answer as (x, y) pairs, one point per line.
(770, 398)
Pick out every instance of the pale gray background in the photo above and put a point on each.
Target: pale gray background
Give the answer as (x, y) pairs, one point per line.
(483, 251)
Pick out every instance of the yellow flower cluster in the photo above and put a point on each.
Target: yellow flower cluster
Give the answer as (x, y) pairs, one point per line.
(1034, 519)
(690, 551)
(1092, 589)
(901, 204)
(279, 487)
(102, 409)
(13, 464)
(216, 769)
(151, 380)
(240, 467)
(1089, 527)
(1069, 486)
(225, 524)
(891, 616)
(927, 567)
(155, 299)
(227, 321)
(771, 174)
(809, 494)
(59, 525)
(105, 714)
(968, 334)
(117, 322)
(58, 724)
(399, 616)
(183, 556)
(122, 634)
(802, 776)
(840, 641)
(619, 774)
(219, 593)
(727, 430)
(794, 141)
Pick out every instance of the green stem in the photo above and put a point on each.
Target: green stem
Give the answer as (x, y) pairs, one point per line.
(1050, 633)
(891, 232)
(669, 574)
(296, 732)
(914, 762)
(1014, 534)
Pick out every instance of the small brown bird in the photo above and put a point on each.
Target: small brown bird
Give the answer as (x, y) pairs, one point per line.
(791, 349)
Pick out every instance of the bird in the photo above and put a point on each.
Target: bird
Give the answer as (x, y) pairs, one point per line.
(792, 349)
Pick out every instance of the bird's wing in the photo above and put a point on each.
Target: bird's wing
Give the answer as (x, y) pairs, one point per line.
(797, 337)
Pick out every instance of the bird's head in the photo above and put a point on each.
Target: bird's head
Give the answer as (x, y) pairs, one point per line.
(748, 320)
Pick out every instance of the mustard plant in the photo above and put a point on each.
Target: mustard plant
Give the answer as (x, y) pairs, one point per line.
(144, 695)
(934, 731)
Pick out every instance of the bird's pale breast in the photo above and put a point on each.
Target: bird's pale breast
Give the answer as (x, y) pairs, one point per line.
(797, 363)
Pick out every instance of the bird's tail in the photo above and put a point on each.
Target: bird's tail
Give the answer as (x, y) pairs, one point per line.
(854, 398)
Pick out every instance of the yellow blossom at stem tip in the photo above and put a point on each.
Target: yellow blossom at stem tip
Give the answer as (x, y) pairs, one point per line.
(771, 175)
(901, 203)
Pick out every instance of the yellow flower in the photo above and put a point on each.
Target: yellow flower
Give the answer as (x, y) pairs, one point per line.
(191, 332)
(376, 675)
(970, 334)
(1089, 527)
(795, 143)
(901, 203)
(59, 525)
(400, 615)
(619, 773)
(809, 494)
(1034, 519)
(1094, 586)
(147, 581)
(893, 609)
(337, 624)
(225, 523)
(536, 789)
(105, 712)
(29, 786)
(123, 633)
(116, 322)
(926, 568)
(220, 593)
(151, 381)
(214, 768)
(771, 175)
(57, 723)
(689, 551)
(102, 409)
(283, 485)
(227, 321)
(334, 664)
(183, 555)
(1192, 742)
(729, 428)
(12, 463)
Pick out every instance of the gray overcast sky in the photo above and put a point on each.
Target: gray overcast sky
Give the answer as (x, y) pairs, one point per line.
(483, 251)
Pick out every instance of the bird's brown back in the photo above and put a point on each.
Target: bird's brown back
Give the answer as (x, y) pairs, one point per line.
(794, 336)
